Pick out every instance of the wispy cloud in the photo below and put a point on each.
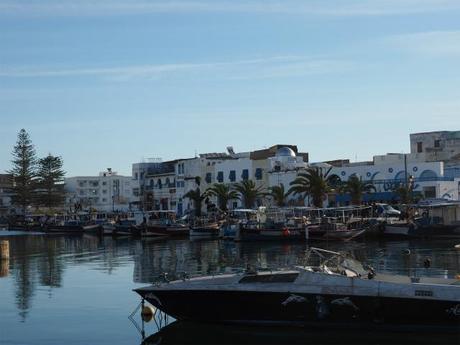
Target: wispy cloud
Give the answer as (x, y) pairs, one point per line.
(314, 7)
(431, 43)
(271, 67)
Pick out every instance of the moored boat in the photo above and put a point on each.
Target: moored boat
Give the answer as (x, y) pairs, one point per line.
(204, 229)
(271, 224)
(230, 227)
(69, 227)
(163, 223)
(335, 290)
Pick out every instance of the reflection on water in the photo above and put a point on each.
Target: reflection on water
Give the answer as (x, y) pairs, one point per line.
(195, 333)
(80, 272)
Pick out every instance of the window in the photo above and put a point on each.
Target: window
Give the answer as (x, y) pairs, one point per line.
(258, 174)
(220, 176)
(208, 178)
(105, 183)
(245, 174)
(159, 184)
(232, 176)
(136, 176)
(104, 191)
(429, 192)
(437, 143)
(419, 147)
(104, 199)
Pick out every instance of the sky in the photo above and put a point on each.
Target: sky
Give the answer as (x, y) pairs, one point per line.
(106, 83)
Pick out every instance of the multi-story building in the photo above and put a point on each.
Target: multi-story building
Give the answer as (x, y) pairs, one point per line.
(142, 196)
(260, 166)
(6, 186)
(160, 187)
(106, 192)
(164, 184)
(437, 146)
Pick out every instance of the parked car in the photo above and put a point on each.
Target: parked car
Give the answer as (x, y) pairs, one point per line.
(385, 210)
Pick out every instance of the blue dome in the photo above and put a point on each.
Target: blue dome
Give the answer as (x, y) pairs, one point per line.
(285, 152)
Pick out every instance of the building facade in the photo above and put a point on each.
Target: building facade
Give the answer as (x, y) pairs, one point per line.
(437, 146)
(432, 167)
(6, 187)
(167, 183)
(106, 192)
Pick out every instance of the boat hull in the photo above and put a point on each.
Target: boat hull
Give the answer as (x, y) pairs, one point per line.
(288, 308)
(64, 229)
(280, 235)
(204, 232)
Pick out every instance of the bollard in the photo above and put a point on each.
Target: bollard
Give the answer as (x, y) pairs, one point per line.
(4, 250)
(4, 267)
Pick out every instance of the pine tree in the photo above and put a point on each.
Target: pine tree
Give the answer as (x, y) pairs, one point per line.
(50, 182)
(23, 171)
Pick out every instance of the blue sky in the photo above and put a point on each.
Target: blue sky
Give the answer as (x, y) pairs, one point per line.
(106, 83)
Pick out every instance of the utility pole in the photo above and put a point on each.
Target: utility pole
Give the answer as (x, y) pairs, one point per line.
(405, 169)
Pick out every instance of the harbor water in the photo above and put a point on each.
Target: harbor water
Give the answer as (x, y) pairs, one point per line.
(78, 290)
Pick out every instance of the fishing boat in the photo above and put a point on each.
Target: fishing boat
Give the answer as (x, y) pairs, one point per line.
(271, 224)
(401, 228)
(341, 223)
(229, 229)
(69, 227)
(430, 219)
(204, 228)
(439, 218)
(164, 223)
(333, 289)
(331, 229)
(124, 227)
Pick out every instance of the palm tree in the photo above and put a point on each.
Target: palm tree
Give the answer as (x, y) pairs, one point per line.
(279, 195)
(249, 193)
(312, 183)
(356, 188)
(223, 193)
(197, 198)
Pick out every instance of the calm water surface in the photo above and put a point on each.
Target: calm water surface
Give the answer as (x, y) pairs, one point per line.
(77, 290)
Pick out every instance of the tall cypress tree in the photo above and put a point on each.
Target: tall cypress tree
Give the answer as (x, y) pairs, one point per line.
(23, 171)
(50, 182)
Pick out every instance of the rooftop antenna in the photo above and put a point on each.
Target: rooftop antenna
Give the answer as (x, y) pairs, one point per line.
(196, 153)
(230, 150)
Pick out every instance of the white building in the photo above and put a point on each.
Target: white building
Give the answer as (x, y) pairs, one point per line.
(437, 146)
(165, 184)
(6, 186)
(106, 192)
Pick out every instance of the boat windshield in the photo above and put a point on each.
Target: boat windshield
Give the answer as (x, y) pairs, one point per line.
(335, 262)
